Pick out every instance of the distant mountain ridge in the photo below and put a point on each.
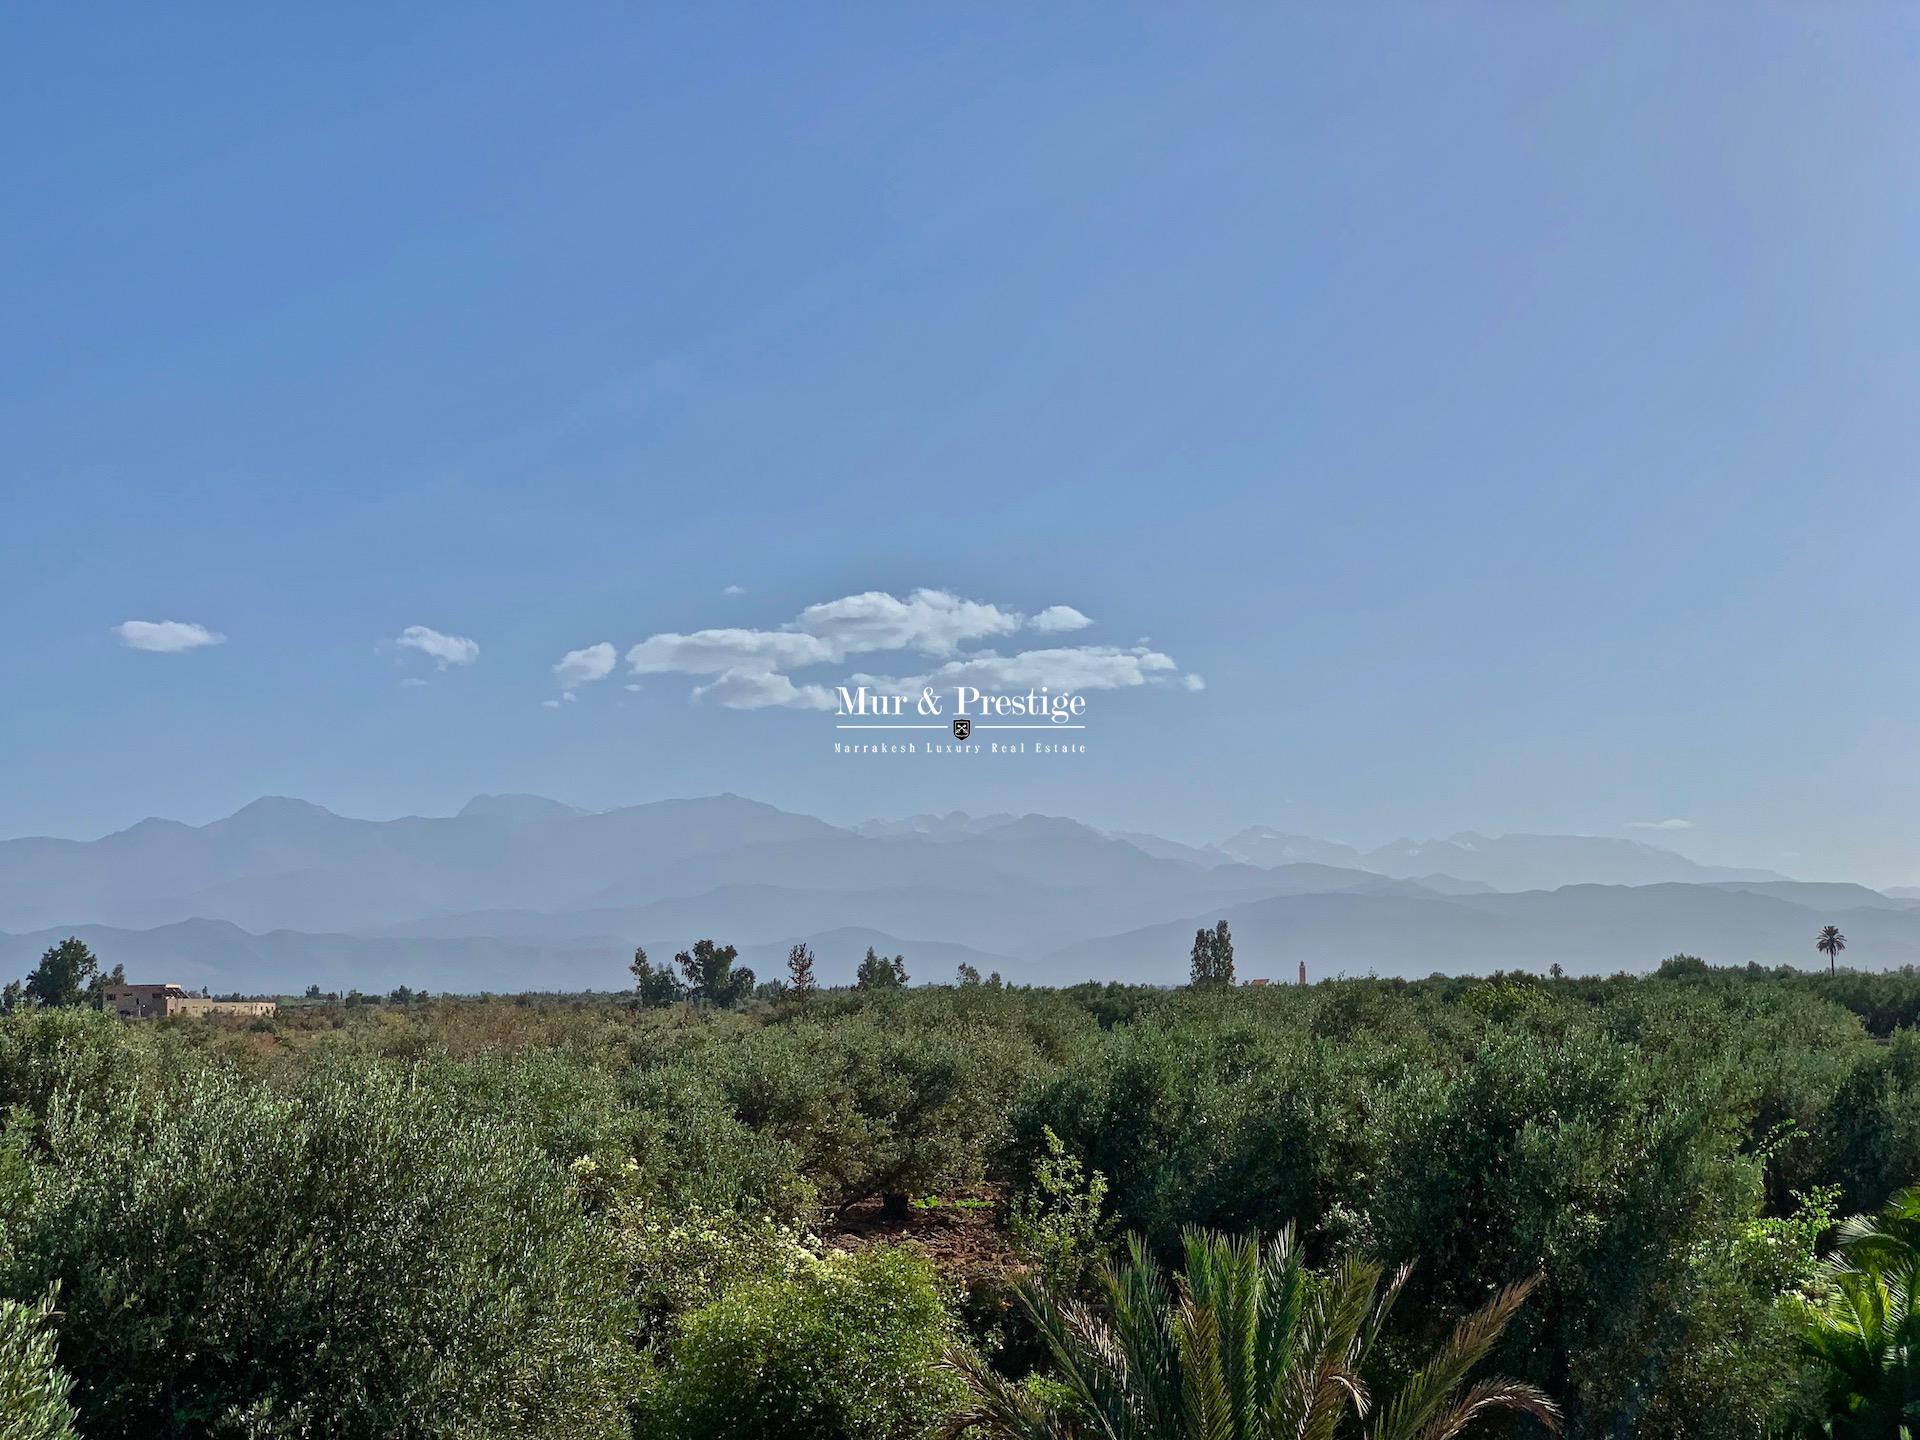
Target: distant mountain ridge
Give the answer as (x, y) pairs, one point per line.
(519, 891)
(1505, 862)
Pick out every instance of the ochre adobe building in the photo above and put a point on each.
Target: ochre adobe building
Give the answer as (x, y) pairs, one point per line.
(156, 1002)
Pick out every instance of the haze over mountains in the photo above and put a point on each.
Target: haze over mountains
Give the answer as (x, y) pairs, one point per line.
(520, 892)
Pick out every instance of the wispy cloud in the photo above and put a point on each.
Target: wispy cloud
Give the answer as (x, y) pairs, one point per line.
(584, 666)
(714, 652)
(1075, 667)
(1058, 619)
(746, 690)
(933, 622)
(733, 590)
(165, 637)
(1671, 824)
(752, 669)
(444, 650)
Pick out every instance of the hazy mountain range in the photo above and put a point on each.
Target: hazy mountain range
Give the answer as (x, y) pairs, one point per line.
(519, 892)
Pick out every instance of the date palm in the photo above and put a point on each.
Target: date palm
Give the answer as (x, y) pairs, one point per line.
(1246, 1344)
(1866, 1331)
(1830, 944)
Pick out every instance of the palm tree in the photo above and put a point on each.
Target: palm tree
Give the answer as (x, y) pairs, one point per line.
(1889, 1240)
(1866, 1331)
(1247, 1344)
(1830, 944)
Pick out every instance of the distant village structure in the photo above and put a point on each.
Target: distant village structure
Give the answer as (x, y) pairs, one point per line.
(1263, 981)
(157, 1002)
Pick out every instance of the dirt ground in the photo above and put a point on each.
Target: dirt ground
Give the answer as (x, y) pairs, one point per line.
(963, 1241)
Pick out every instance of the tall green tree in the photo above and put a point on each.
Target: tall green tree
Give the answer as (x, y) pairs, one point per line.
(877, 972)
(1246, 1344)
(97, 986)
(1830, 944)
(1211, 962)
(712, 976)
(63, 975)
(655, 986)
(1200, 962)
(800, 973)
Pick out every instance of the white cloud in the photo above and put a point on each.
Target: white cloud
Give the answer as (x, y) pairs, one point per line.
(1058, 619)
(934, 622)
(760, 690)
(445, 649)
(1672, 824)
(1076, 667)
(1193, 682)
(550, 704)
(165, 637)
(412, 681)
(714, 652)
(634, 688)
(583, 667)
(751, 669)
(734, 590)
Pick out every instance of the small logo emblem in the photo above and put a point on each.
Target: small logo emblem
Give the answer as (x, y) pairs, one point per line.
(962, 727)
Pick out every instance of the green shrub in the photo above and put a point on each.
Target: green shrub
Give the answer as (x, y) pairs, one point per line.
(693, 1149)
(1055, 1225)
(876, 1104)
(1869, 1133)
(1619, 1177)
(680, 1260)
(844, 1348)
(33, 1390)
(348, 1258)
(79, 1054)
(1201, 1121)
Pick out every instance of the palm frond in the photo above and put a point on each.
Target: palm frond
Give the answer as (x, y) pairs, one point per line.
(1206, 1399)
(1426, 1393)
(998, 1406)
(1140, 1304)
(1384, 1305)
(1285, 1293)
(1092, 1364)
(1244, 1344)
(1888, 1240)
(1487, 1396)
(1330, 1381)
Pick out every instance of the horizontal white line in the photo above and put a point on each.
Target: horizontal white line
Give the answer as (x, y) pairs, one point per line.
(943, 727)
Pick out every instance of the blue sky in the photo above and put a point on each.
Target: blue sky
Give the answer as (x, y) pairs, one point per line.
(1508, 411)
